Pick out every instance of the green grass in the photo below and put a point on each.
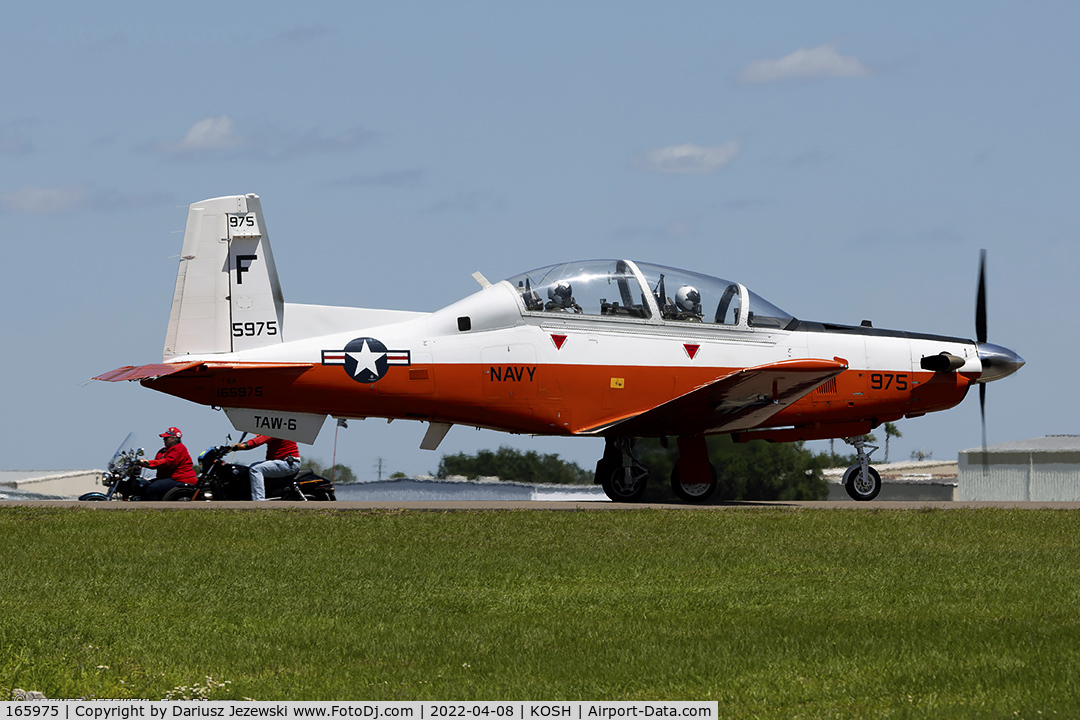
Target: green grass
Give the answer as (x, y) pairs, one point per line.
(773, 613)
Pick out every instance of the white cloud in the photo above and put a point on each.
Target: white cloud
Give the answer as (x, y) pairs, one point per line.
(689, 159)
(32, 200)
(804, 64)
(217, 136)
(45, 201)
(211, 133)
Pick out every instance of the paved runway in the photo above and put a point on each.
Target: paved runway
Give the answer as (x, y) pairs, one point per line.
(450, 506)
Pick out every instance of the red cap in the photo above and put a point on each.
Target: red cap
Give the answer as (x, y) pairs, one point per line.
(173, 432)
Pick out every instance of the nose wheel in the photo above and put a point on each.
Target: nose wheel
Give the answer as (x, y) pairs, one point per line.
(861, 481)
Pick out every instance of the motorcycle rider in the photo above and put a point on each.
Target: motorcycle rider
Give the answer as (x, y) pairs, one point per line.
(173, 465)
(282, 460)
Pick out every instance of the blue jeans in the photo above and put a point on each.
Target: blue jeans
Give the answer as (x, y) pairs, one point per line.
(270, 469)
(157, 489)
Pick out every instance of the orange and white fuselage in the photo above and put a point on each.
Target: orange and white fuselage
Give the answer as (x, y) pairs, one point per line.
(617, 348)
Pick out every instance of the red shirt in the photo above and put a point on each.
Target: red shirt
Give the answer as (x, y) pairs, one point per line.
(174, 462)
(276, 448)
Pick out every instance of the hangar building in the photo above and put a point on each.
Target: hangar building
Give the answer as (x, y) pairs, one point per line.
(1045, 469)
(46, 484)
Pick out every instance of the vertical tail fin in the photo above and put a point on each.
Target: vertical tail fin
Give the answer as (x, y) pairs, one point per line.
(227, 295)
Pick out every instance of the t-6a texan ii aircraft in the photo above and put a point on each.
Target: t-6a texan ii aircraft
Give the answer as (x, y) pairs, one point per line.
(617, 349)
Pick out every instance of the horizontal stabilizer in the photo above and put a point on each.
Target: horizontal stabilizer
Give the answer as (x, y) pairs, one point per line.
(157, 370)
(142, 372)
(744, 399)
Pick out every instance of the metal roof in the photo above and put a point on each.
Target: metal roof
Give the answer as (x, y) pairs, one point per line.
(1047, 443)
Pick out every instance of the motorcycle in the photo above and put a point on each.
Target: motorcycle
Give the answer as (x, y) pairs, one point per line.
(220, 480)
(123, 476)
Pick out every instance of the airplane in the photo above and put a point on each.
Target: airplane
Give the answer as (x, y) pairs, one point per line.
(618, 349)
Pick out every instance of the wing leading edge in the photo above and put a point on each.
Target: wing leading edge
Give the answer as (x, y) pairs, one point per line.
(739, 401)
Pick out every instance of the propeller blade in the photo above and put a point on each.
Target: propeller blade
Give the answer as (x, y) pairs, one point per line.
(982, 412)
(980, 300)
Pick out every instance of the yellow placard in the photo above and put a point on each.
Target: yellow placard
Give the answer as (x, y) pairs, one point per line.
(617, 383)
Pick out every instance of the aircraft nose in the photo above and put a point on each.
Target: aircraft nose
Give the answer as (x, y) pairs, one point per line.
(997, 362)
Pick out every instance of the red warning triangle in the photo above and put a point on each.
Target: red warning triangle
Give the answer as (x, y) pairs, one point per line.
(691, 350)
(559, 340)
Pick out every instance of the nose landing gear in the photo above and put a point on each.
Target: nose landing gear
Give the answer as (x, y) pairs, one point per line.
(861, 481)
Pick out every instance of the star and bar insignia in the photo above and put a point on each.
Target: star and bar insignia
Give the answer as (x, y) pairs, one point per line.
(365, 359)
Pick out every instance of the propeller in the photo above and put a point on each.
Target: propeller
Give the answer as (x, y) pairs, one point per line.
(997, 361)
(980, 337)
(980, 301)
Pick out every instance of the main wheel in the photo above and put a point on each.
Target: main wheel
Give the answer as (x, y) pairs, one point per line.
(182, 494)
(859, 487)
(603, 470)
(621, 488)
(692, 492)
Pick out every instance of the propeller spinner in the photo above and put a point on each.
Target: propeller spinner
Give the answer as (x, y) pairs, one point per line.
(997, 361)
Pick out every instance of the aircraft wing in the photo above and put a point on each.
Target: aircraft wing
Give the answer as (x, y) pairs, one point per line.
(744, 399)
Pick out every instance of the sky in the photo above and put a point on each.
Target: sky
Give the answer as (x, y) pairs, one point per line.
(844, 160)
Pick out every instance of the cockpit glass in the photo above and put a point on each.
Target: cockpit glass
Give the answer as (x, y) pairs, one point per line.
(589, 287)
(610, 288)
(763, 314)
(692, 297)
(686, 296)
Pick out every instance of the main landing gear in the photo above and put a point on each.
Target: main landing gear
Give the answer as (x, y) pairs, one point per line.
(692, 492)
(625, 479)
(861, 481)
(693, 479)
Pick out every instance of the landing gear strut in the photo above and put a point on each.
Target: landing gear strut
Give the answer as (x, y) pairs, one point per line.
(623, 478)
(861, 481)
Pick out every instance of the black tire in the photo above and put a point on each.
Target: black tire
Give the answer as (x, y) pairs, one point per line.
(180, 494)
(858, 488)
(695, 492)
(93, 496)
(618, 489)
(604, 466)
(321, 495)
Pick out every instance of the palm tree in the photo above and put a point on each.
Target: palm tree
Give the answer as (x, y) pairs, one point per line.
(890, 431)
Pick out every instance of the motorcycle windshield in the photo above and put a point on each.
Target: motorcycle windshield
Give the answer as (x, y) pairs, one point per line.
(125, 447)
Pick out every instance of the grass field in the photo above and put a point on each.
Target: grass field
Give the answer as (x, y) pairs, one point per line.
(773, 613)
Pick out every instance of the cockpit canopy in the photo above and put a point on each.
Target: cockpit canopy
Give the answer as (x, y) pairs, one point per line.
(643, 291)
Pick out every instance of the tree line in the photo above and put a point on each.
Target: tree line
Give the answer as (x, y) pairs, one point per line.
(755, 470)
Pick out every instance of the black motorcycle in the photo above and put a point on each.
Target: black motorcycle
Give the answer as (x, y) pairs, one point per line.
(123, 478)
(220, 480)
